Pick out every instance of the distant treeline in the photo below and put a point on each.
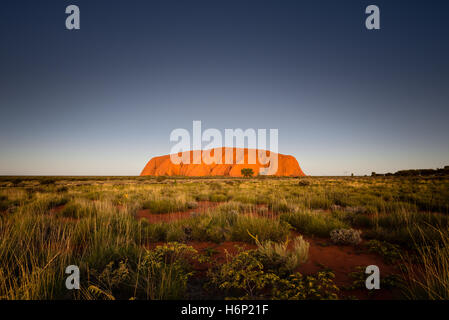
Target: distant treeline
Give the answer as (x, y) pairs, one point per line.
(416, 172)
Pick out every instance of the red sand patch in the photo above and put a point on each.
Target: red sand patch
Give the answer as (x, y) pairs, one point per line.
(203, 206)
(343, 260)
(323, 255)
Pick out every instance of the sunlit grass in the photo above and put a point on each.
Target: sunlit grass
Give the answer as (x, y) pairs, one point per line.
(90, 222)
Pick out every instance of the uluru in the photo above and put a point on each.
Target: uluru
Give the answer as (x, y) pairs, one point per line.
(163, 166)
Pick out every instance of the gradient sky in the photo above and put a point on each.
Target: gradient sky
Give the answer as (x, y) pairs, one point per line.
(103, 100)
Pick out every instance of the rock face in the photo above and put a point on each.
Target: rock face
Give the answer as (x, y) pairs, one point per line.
(163, 166)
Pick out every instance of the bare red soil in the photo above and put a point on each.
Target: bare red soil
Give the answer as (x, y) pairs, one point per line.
(323, 255)
(343, 260)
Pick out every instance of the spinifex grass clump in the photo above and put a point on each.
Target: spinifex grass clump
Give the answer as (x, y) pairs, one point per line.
(42, 203)
(235, 206)
(427, 274)
(77, 209)
(282, 257)
(160, 273)
(33, 256)
(164, 205)
(263, 228)
(313, 223)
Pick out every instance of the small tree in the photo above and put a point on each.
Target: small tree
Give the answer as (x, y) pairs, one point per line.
(247, 172)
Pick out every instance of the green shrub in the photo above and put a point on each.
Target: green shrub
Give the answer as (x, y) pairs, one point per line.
(314, 287)
(359, 280)
(243, 277)
(390, 252)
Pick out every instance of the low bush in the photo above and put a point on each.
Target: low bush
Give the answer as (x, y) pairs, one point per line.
(359, 280)
(243, 277)
(247, 172)
(299, 287)
(346, 236)
(390, 252)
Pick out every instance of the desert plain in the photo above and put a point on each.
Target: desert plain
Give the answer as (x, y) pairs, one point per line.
(173, 237)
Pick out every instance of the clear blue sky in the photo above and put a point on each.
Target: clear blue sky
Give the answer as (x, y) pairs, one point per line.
(103, 100)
